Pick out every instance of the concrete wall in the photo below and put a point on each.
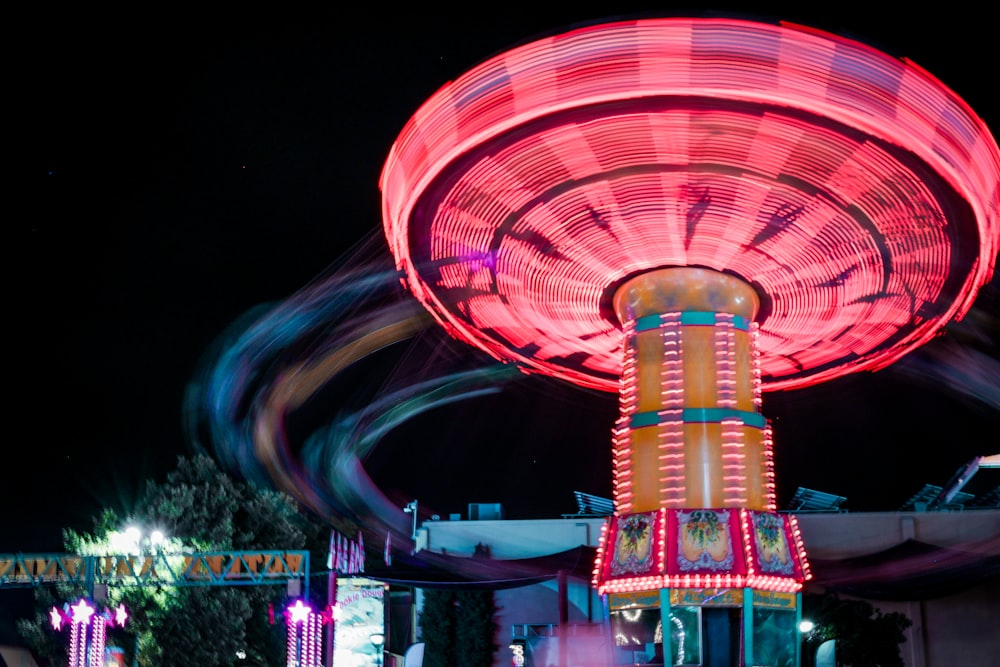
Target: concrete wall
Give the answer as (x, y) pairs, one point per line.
(509, 539)
(961, 629)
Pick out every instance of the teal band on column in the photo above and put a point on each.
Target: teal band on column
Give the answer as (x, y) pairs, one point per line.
(698, 318)
(648, 322)
(748, 626)
(701, 415)
(690, 318)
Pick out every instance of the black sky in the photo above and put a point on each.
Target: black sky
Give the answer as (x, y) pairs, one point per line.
(185, 169)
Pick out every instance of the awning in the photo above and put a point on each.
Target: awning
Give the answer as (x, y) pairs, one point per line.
(432, 570)
(910, 570)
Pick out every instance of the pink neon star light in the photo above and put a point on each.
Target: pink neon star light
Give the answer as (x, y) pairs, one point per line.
(121, 615)
(82, 612)
(55, 618)
(299, 612)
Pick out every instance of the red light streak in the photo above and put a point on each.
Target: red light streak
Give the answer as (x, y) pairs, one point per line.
(839, 193)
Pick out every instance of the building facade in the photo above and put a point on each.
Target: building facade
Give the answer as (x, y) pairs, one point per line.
(941, 569)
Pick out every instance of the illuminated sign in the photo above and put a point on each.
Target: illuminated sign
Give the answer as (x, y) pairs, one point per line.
(634, 599)
(728, 597)
(160, 568)
(359, 615)
(774, 599)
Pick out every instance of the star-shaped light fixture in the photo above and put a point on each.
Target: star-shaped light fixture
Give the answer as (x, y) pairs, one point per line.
(82, 612)
(56, 618)
(121, 615)
(299, 612)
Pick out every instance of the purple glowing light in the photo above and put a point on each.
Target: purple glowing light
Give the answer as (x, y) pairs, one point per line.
(121, 615)
(299, 612)
(82, 612)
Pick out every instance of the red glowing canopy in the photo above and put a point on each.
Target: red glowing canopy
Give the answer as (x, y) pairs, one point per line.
(701, 548)
(854, 191)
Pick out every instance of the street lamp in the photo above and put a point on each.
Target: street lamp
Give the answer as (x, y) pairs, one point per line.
(377, 639)
(816, 651)
(411, 508)
(132, 540)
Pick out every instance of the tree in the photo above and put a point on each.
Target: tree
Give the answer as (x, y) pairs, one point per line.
(437, 628)
(476, 628)
(203, 509)
(458, 628)
(865, 636)
(46, 645)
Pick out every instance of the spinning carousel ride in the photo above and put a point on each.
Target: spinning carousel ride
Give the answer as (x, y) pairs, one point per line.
(690, 212)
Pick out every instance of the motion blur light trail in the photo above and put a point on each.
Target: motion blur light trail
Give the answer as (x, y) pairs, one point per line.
(339, 449)
(852, 193)
(967, 360)
(855, 193)
(273, 362)
(689, 212)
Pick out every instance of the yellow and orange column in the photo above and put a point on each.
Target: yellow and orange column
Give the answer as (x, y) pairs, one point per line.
(690, 432)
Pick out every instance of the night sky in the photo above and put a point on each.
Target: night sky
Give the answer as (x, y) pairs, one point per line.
(186, 169)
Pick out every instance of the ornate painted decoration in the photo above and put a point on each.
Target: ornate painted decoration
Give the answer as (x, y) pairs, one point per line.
(774, 557)
(712, 548)
(635, 542)
(703, 541)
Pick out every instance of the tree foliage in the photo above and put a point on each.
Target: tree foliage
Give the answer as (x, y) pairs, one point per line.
(437, 628)
(476, 628)
(865, 636)
(204, 509)
(458, 628)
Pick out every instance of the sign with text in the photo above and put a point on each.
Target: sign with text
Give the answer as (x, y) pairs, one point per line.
(184, 569)
(359, 616)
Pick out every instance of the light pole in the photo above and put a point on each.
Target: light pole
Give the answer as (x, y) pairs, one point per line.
(377, 639)
(132, 541)
(411, 508)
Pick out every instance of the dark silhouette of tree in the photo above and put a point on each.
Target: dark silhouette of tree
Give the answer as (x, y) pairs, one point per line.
(437, 628)
(865, 636)
(458, 628)
(476, 628)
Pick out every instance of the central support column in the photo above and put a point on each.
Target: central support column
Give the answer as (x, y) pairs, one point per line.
(690, 432)
(695, 542)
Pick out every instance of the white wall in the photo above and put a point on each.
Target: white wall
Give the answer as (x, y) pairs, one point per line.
(846, 534)
(509, 539)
